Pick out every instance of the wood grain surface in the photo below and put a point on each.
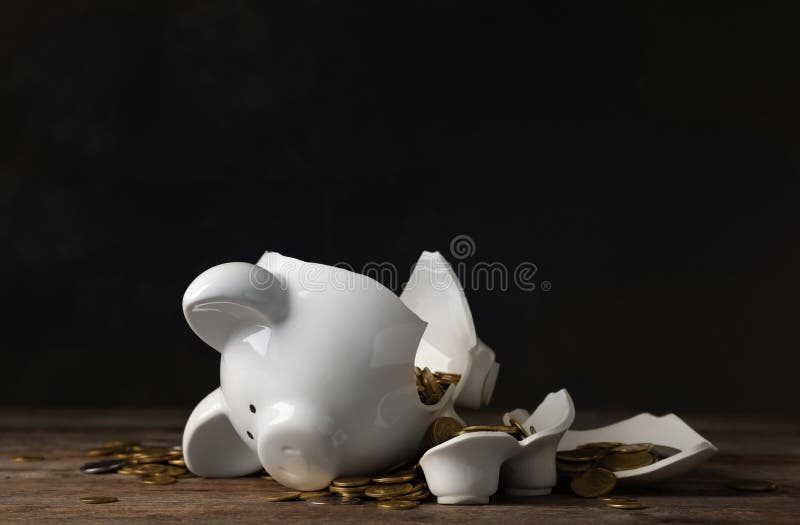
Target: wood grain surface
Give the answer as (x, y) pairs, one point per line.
(48, 491)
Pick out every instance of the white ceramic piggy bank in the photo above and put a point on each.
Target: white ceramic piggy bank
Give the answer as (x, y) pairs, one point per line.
(316, 373)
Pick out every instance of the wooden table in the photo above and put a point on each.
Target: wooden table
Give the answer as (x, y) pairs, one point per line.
(49, 490)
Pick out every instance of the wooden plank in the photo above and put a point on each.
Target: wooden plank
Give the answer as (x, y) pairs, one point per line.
(49, 490)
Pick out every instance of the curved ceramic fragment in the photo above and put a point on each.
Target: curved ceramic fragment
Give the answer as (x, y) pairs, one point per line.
(668, 430)
(532, 472)
(466, 469)
(450, 343)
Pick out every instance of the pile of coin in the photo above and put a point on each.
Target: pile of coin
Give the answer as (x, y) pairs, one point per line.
(155, 465)
(445, 428)
(400, 489)
(591, 466)
(431, 386)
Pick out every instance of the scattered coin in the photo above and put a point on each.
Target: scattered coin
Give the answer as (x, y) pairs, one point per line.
(388, 490)
(594, 482)
(352, 481)
(397, 504)
(283, 496)
(313, 494)
(174, 471)
(328, 500)
(520, 429)
(177, 462)
(347, 491)
(397, 477)
(601, 444)
(663, 451)
(626, 505)
(581, 454)
(752, 485)
(417, 495)
(615, 499)
(26, 459)
(441, 430)
(103, 467)
(149, 469)
(431, 386)
(634, 447)
(118, 444)
(159, 480)
(626, 461)
(98, 499)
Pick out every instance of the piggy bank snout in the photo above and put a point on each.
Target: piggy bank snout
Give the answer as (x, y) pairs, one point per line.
(297, 449)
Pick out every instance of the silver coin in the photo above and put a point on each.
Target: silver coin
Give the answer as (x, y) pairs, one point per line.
(332, 500)
(103, 467)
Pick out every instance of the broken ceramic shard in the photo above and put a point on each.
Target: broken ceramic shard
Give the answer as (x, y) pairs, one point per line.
(450, 343)
(467, 468)
(668, 430)
(316, 371)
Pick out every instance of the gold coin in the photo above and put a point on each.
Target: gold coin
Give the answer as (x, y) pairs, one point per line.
(159, 480)
(173, 471)
(580, 454)
(752, 485)
(267, 476)
(594, 482)
(573, 467)
(615, 499)
(397, 504)
(126, 470)
(177, 462)
(487, 428)
(98, 499)
(144, 458)
(433, 390)
(388, 490)
(446, 378)
(305, 494)
(397, 477)
(283, 496)
(176, 453)
(351, 481)
(26, 459)
(95, 452)
(520, 429)
(663, 451)
(149, 469)
(601, 444)
(626, 505)
(118, 444)
(626, 461)
(633, 447)
(417, 495)
(347, 491)
(441, 430)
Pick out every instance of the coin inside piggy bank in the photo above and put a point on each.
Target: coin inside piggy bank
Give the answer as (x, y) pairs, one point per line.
(317, 375)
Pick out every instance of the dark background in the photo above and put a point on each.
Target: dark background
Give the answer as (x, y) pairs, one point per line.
(644, 155)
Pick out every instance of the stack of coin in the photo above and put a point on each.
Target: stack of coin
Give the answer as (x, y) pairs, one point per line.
(431, 386)
(155, 465)
(398, 490)
(591, 466)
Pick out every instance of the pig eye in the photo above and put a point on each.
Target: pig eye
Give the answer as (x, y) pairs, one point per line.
(252, 409)
(249, 435)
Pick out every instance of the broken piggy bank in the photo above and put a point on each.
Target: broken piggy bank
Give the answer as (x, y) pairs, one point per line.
(316, 373)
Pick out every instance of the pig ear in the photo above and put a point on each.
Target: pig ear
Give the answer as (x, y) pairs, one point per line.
(231, 296)
(211, 446)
